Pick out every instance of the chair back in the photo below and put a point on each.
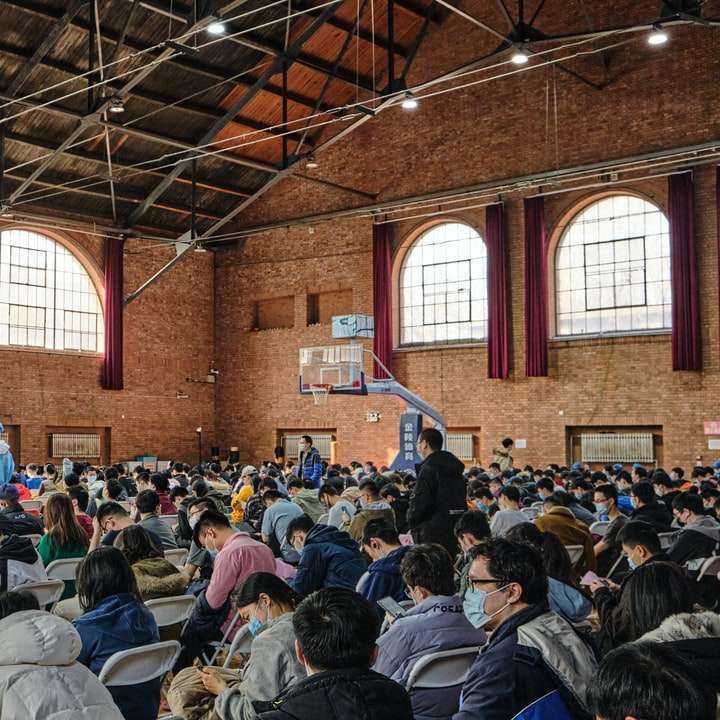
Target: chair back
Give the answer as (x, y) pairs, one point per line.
(139, 665)
(34, 539)
(530, 513)
(576, 553)
(171, 610)
(63, 569)
(443, 669)
(322, 520)
(666, 539)
(176, 556)
(125, 505)
(241, 644)
(711, 566)
(362, 582)
(32, 504)
(599, 528)
(170, 520)
(46, 592)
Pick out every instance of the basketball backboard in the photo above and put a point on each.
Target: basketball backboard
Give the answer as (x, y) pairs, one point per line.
(339, 366)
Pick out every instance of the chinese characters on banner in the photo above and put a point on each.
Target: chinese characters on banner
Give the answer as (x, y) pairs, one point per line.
(410, 428)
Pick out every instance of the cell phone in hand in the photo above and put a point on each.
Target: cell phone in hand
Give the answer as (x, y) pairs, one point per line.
(391, 606)
(588, 578)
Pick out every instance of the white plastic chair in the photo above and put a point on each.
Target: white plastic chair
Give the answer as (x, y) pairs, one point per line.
(219, 645)
(711, 566)
(139, 665)
(576, 553)
(63, 569)
(125, 505)
(442, 669)
(32, 504)
(362, 582)
(176, 556)
(322, 520)
(599, 528)
(34, 539)
(530, 513)
(666, 539)
(171, 610)
(47, 593)
(241, 643)
(538, 506)
(170, 520)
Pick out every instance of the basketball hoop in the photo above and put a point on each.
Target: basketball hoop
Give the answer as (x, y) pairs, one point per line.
(320, 393)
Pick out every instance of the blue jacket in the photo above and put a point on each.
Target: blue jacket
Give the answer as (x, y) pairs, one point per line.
(330, 558)
(7, 463)
(548, 707)
(530, 655)
(384, 580)
(310, 467)
(568, 601)
(121, 622)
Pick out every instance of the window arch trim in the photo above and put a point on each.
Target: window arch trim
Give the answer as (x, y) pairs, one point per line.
(87, 262)
(400, 252)
(555, 233)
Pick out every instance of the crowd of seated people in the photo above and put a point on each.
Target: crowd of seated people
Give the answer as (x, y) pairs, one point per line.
(562, 592)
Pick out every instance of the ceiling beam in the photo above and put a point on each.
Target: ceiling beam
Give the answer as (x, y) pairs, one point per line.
(12, 137)
(191, 65)
(277, 64)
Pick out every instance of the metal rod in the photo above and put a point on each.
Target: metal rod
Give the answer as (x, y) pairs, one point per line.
(193, 200)
(91, 57)
(391, 44)
(284, 114)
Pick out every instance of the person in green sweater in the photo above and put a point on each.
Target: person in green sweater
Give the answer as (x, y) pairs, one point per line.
(64, 536)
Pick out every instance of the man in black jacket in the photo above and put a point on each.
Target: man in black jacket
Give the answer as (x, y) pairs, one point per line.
(438, 498)
(648, 508)
(335, 634)
(700, 533)
(14, 519)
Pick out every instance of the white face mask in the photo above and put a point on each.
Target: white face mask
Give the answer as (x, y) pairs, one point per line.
(194, 520)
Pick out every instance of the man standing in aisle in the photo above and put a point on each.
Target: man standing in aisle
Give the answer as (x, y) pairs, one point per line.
(438, 498)
(309, 467)
(7, 463)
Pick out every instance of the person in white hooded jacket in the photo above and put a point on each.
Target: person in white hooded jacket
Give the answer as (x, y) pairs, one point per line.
(40, 678)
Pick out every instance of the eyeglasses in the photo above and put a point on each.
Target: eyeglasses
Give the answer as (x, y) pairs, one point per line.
(482, 581)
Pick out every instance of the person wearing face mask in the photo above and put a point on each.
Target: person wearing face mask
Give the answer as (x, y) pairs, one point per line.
(483, 501)
(383, 578)
(471, 529)
(309, 466)
(607, 549)
(266, 604)
(435, 623)
(699, 534)
(371, 508)
(509, 514)
(535, 661)
(306, 498)
(649, 508)
(236, 556)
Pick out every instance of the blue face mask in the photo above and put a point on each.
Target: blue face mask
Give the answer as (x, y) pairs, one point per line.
(601, 508)
(254, 626)
(474, 606)
(212, 553)
(631, 563)
(480, 506)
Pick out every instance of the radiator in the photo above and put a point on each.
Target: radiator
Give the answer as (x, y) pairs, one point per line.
(75, 445)
(321, 442)
(618, 447)
(462, 445)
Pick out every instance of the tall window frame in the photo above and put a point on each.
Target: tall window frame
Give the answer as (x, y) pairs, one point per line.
(442, 287)
(50, 299)
(611, 268)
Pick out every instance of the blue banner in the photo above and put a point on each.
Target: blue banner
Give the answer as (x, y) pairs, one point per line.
(410, 428)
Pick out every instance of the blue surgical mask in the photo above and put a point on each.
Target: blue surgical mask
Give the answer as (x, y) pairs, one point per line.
(601, 508)
(480, 506)
(254, 626)
(474, 606)
(212, 553)
(631, 563)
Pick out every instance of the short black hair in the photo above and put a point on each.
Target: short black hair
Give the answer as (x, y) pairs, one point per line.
(136, 544)
(369, 486)
(608, 491)
(507, 442)
(302, 523)
(474, 523)
(639, 532)
(511, 493)
(178, 467)
(200, 488)
(272, 495)
(484, 492)
(679, 472)
(160, 482)
(336, 628)
(209, 519)
(81, 495)
(545, 483)
(643, 491)
(306, 438)
(382, 530)
(389, 490)
(650, 680)
(623, 475)
(178, 491)
(327, 489)
(17, 601)
(110, 509)
(102, 573)
(147, 501)
(515, 562)
(557, 499)
(432, 437)
(428, 566)
(271, 585)
(71, 480)
(689, 501)
(555, 557)
(663, 479)
(114, 489)
(296, 483)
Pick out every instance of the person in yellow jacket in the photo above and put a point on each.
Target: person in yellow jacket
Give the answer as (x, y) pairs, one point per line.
(242, 492)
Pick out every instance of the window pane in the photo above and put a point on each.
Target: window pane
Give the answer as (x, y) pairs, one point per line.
(616, 251)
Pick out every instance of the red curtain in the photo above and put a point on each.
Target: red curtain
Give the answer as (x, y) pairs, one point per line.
(536, 332)
(112, 369)
(498, 331)
(686, 352)
(382, 297)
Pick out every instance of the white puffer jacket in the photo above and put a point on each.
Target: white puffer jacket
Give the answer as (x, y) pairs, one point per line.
(39, 677)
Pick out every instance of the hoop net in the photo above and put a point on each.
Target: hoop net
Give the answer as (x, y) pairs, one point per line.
(321, 392)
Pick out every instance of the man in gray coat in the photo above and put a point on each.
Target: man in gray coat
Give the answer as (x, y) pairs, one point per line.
(435, 623)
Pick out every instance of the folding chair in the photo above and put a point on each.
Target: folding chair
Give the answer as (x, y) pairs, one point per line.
(362, 582)
(443, 669)
(530, 513)
(322, 520)
(63, 569)
(177, 556)
(538, 506)
(125, 505)
(34, 539)
(612, 570)
(46, 593)
(599, 528)
(32, 504)
(219, 645)
(575, 552)
(241, 643)
(666, 539)
(170, 520)
(711, 566)
(171, 610)
(140, 665)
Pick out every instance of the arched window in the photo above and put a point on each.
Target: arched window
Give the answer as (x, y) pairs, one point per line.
(47, 298)
(612, 269)
(443, 287)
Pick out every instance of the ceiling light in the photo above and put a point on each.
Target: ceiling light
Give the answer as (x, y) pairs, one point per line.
(216, 27)
(116, 105)
(200, 248)
(311, 162)
(658, 36)
(409, 102)
(519, 57)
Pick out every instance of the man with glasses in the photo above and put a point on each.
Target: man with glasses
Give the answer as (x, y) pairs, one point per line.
(534, 658)
(109, 521)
